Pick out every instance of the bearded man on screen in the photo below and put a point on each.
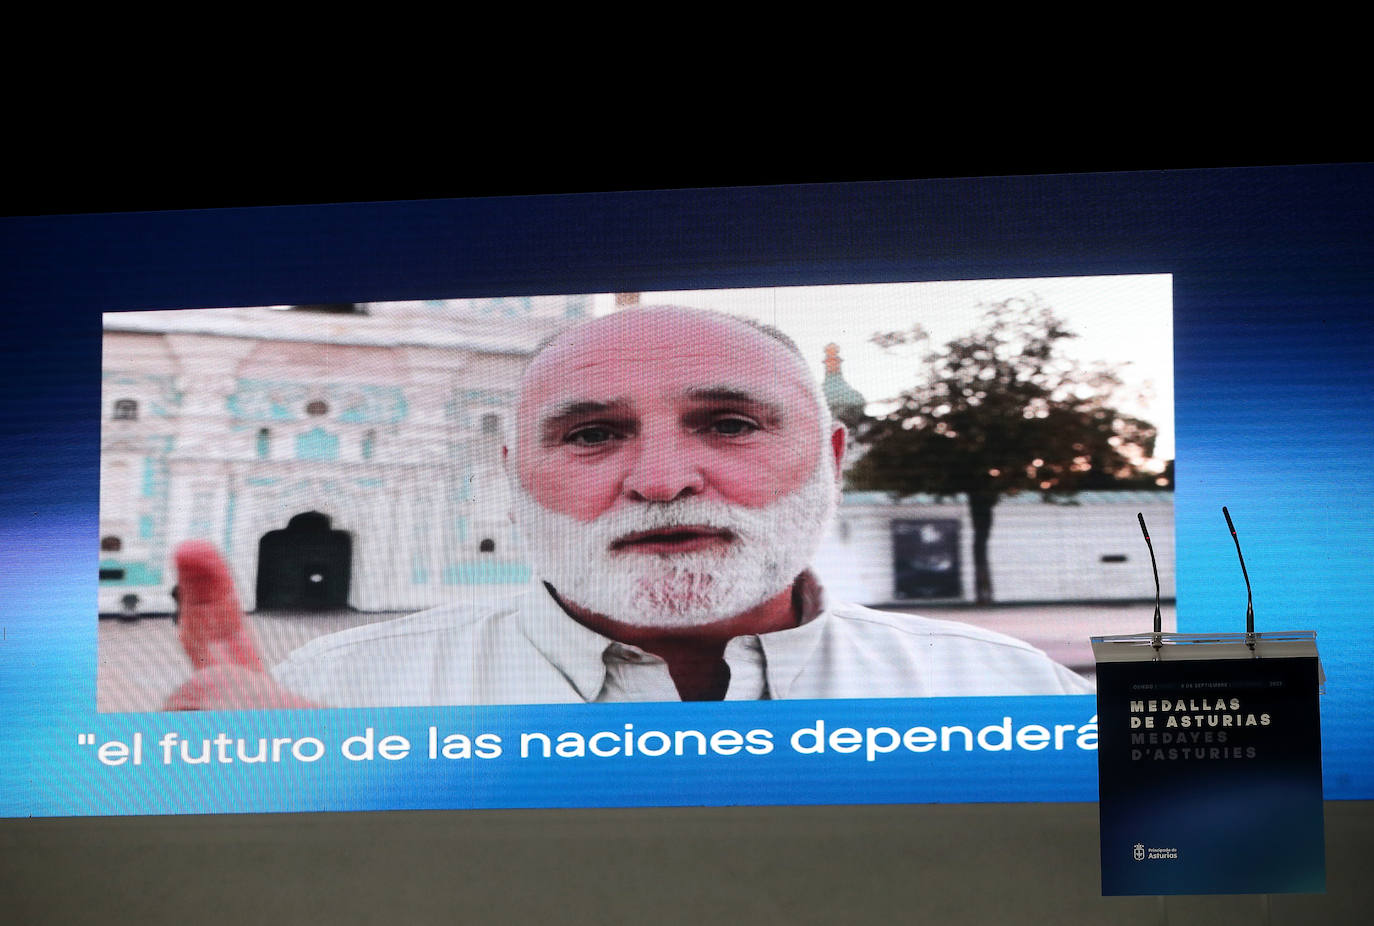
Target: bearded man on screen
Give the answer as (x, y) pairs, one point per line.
(673, 473)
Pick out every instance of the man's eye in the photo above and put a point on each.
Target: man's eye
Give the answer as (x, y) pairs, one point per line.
(733, 427)
(591, 436)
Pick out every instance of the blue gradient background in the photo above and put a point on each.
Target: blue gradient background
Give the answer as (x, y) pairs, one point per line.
(1272, 275)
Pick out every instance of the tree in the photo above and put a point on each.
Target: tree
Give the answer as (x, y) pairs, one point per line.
(1000, 411)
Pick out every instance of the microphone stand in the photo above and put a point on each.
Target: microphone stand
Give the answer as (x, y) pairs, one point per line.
(1156, 640)
(1249, 597)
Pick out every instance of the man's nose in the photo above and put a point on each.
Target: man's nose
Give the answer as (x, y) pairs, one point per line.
(664, 471)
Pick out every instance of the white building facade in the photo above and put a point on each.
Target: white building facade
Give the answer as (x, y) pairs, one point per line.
(1086, 547)
(359, 445)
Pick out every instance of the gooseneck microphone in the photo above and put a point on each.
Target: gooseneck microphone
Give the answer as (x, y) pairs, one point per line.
(1249, 596)
(1159, 624)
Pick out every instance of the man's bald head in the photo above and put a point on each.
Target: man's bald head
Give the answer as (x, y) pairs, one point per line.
(776, 334)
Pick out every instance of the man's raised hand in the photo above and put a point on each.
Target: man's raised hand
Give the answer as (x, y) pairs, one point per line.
(211, 628)
(228, 672)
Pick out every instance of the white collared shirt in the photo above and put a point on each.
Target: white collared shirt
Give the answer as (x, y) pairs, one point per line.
(532, 652)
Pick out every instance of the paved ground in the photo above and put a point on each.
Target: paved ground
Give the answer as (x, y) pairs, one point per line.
(1061, 630)
(140, 662)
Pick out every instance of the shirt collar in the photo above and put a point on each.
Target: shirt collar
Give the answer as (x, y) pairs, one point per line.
(576, 651)
(787, 652)
(579, 653)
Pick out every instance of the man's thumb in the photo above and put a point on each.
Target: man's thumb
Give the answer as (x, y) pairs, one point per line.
(211, 628)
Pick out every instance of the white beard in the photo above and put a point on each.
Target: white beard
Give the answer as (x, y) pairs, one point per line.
(771, 547)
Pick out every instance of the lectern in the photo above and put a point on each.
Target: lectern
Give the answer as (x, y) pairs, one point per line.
(1209, 763)
(1209, 758)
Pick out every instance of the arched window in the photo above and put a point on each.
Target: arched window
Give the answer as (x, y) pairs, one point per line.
(264, 443)
(125, 410)
(369, 445)
(111, 544)
(317, 408)
(486, 546)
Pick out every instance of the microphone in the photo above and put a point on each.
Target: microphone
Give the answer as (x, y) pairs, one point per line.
(1249, 597)
(1159, 624)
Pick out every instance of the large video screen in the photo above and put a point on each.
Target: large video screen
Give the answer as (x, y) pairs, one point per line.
(455, 505)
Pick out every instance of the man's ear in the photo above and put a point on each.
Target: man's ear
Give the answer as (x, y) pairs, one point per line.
(839, 437)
